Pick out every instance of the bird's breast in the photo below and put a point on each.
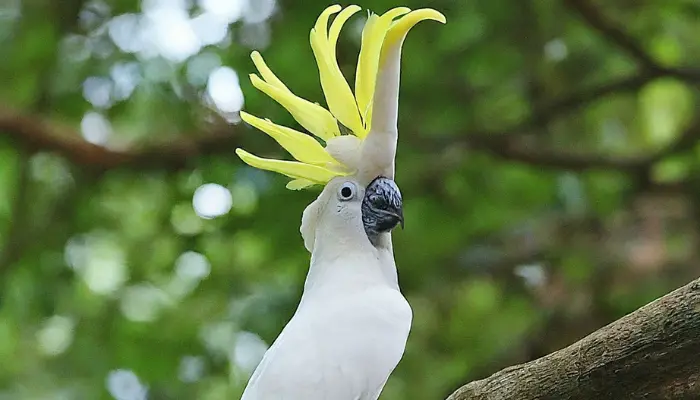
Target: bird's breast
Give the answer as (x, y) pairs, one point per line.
(341, 346)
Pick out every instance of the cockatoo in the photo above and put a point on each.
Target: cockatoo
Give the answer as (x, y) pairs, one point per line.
(352, 323)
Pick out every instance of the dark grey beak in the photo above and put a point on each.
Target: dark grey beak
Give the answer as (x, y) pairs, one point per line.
(382, 208)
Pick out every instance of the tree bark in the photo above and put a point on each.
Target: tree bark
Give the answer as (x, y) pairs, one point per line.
(652, 353)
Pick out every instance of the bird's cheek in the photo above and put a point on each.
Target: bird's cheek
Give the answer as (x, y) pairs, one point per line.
(345, 213)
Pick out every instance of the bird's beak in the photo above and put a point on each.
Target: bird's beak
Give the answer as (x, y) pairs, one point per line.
(382, 207)
(391, 217)
(398, 214)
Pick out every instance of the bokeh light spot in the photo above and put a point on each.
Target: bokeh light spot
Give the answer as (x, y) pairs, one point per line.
(211, 200)
(225, 90)
(56, 335)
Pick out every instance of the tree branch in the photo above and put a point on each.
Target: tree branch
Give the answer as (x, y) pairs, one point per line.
(572, 102)
(648, 354)
(513, 148)
(35, 135)
(534, 154)
(593, 17)
(510, 143)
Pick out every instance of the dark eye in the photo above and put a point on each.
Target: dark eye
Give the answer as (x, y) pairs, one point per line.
(347, 191)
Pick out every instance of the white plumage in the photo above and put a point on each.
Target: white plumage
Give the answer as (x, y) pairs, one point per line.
(350, 329)
(352, 323)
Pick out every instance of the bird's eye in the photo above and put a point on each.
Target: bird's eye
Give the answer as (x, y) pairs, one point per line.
(347, 191)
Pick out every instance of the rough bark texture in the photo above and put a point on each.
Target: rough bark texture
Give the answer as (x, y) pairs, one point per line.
(652, 353)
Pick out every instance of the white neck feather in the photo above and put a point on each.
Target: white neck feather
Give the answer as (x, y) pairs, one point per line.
(349, 262)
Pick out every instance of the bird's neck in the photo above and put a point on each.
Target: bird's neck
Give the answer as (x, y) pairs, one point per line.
(350, 263)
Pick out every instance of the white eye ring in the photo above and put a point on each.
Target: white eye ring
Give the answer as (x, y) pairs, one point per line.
(347, 191)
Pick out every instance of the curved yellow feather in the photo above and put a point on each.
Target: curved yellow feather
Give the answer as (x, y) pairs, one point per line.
(318, 165)
(399, 29)
(298, 184)
(302, 147)
(292, 169)
(338, 23)
(336, 90)
(265, 71)
(311, 116)
(322, 20)
(373, 35)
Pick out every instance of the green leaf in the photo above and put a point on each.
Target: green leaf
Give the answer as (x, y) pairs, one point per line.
(666, 107)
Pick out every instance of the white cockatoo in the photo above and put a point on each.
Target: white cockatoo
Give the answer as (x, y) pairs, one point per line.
(350, 328)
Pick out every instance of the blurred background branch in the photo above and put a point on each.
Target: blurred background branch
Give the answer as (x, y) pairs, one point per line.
(508, 148)
(612, 33)
(36, 135)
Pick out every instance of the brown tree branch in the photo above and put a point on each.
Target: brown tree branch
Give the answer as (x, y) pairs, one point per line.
(651, 353)
(513, 148)
(593, 17)
(549, 112)
(534, 154)
(513, 144)
(35, 135)
(609, 29)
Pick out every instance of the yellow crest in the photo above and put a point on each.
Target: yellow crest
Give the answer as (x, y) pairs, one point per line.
(315, 164)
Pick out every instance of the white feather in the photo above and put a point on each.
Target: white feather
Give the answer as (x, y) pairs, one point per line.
(350, 329)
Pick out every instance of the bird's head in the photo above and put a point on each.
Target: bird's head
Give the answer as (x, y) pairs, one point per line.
(352, 212)
(353, 153)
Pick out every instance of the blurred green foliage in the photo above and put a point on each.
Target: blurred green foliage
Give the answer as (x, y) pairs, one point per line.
(110, 280)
